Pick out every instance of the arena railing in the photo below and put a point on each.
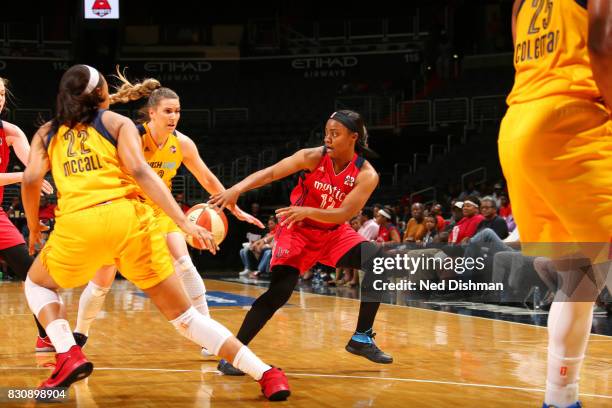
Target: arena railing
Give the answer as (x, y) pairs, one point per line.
(230, 116)
(378, 111)
(417, 112)
(488, 108)
(430, 195)
(451, 110)
(479, 175)
(400, 169)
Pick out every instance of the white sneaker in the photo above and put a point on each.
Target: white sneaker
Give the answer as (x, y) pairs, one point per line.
(244, 273)
(206, 353)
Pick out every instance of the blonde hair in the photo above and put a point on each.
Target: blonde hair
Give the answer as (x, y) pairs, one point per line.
(150, 88)
(128, 91)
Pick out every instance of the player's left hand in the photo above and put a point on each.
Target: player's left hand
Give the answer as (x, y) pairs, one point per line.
(290, 215)
(244, 216)
(47, 188)
(35, 239)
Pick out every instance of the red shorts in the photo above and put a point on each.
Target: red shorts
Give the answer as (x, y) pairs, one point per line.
(9, 235)
(302, 245)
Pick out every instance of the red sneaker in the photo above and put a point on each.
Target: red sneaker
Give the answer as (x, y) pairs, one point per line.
(44, 345)
(274, 385)
(70, 367)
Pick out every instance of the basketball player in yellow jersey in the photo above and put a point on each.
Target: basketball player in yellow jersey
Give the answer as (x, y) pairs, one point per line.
(97, 164)
(165, 149)
(555, 148)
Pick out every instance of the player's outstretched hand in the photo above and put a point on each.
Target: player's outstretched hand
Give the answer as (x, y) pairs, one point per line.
(224, 199)
(290, 215)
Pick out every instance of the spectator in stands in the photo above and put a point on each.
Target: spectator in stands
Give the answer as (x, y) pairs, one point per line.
(498, 192)
(456, 215)
(348, 276)
(469, 191)
(415, 230)
(466, 228)
(387, 232)
(255, 211)
(46, 211)
(262, 249)
(369, 227)
(505, 209)
(436, 210)
(355, 223)
(16, 208)
(431, 230)
(255, 207)
(376, 208)
(180, 199)
(488, 209)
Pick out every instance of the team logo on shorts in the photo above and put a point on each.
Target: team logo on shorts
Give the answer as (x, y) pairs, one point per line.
(101, 8)
(281, 253)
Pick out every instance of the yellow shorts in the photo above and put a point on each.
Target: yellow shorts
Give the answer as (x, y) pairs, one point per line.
(122, 232)
(165, 223)
(556, 155)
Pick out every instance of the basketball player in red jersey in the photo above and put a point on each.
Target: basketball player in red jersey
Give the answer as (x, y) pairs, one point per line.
(12, 245)
(335, 185)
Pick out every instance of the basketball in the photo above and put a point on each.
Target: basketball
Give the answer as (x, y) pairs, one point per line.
(205, 216)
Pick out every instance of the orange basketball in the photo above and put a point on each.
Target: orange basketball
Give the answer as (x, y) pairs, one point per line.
(205, 216)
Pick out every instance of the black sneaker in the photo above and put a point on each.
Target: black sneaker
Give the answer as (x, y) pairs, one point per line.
(80, 339)
(227, 369)
(368, 350)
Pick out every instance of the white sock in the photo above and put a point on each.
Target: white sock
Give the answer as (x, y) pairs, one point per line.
(561, 396)
(90, 304)
(193, 284)
(248, 362)
(569, 325)
(60, 334)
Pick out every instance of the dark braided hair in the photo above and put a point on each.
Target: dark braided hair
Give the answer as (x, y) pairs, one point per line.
(72, 104)
(353, 121)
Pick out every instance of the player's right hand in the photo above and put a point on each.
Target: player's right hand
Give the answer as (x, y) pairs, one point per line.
(225, 198)
(200, 234)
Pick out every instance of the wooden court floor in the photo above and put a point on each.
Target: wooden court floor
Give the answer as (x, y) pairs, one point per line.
(441, 359)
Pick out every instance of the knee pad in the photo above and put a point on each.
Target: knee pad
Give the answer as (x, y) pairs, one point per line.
(202, 330)
(97, 290)
(39, 296)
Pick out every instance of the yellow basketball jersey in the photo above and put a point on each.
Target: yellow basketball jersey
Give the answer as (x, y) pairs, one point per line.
(550, 51)
(85, 167)
(164, 160)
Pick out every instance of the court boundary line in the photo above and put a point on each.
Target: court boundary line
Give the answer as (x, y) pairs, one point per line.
(345, 376)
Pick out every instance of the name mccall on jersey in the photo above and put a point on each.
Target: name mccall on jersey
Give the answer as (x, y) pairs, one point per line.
(82, 164)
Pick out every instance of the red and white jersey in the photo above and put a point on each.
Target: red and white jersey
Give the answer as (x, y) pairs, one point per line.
(323, 188)
(4, 156)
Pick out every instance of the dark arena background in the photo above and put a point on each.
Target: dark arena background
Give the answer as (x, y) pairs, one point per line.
(258, 82)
